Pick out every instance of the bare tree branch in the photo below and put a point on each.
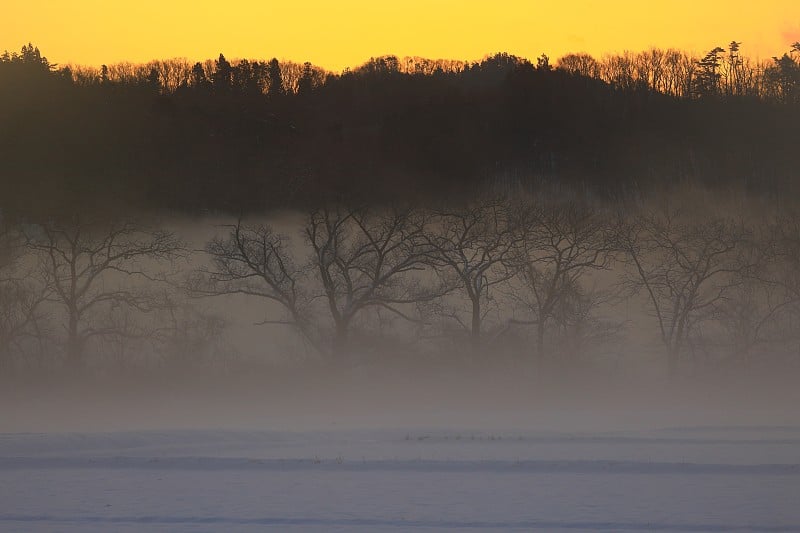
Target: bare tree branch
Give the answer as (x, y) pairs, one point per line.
(86, 264)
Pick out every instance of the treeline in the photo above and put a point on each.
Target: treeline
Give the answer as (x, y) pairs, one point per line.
(247, 135)
(542, 279)
(722, 72)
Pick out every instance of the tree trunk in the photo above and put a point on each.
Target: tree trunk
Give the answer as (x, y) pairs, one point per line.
(341, 340)
(540, 329)
(74, 343)
(673, 358)
(475, 332)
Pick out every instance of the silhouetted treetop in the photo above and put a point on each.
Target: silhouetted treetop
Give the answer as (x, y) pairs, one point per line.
(247, 134)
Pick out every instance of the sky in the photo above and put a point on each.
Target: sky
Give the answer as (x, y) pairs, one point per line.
(337, 34)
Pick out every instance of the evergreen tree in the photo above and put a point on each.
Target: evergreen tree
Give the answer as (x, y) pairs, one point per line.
(708, 77)
(543, 62)
(222, 79)
(306, 82)
(198, 79)
(734, 83)
(274, 78)
(784, 75)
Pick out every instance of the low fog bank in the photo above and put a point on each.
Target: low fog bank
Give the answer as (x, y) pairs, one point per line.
(317, 397)
(554, 312)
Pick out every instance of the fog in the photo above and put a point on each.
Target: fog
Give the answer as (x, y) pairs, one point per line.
(431, 396)
(241, 370)
(532, 366)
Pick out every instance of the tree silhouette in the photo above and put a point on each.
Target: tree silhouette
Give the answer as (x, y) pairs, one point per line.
(685, 269)
(275, 84)
(78, 262)
(213, 135)
(471, 249)
(784, 74)
(20, 299)
(222, 78)
(254, 260)
(734, 75)
(198, 79)
(366, 259)
(707, 82)
(560, 242)
(306, 82)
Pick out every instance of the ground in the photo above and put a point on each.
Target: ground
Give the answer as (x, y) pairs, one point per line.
(703, 478)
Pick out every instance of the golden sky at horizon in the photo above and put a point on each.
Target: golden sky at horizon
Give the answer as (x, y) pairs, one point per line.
(337, 34)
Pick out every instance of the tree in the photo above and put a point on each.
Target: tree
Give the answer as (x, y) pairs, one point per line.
(198, 79)
(543, 63)
(20, 314)
(186, 335)
(172, 73)
(470, 248)
(561, 242)
(88, 268)
(254, 260)
(366, 259)
(29, 59)
(679, 69)
(580, 65)
(762, 309)
(734, 75)
(249, 78)
(685, 268)
(153, 81)
(753, 315)
(784, 76)
(306, 82)
(618, 71)
(20, 299)
(275, 79)
(222, 78)
(361, 259)
(707, 82)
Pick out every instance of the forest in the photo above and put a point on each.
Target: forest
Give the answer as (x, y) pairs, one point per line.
(583, 212)
(239, 136)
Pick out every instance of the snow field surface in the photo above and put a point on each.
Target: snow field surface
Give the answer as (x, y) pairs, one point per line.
(678, 479)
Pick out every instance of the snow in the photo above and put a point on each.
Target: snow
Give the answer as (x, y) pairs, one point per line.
(674, 479)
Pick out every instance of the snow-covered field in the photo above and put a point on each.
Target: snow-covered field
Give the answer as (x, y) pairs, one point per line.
(704, 478)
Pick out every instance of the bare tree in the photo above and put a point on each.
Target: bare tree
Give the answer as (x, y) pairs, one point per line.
(20, 315)
(89, 268)
(254, 260)
(562, 241)
(360, 259)
(685, 267)
(577, 326)
(471, 249)
(753, 316)
(20, 299)
(366, 258)
(763, 309)
(618, 70)
(292, 73)
(172, 73)
(187, 336)
(579, 64)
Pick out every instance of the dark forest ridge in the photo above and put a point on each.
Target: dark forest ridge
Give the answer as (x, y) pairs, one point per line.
(251, 135)
(723, 70)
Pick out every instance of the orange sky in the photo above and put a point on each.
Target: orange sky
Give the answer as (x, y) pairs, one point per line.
(339, 33)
